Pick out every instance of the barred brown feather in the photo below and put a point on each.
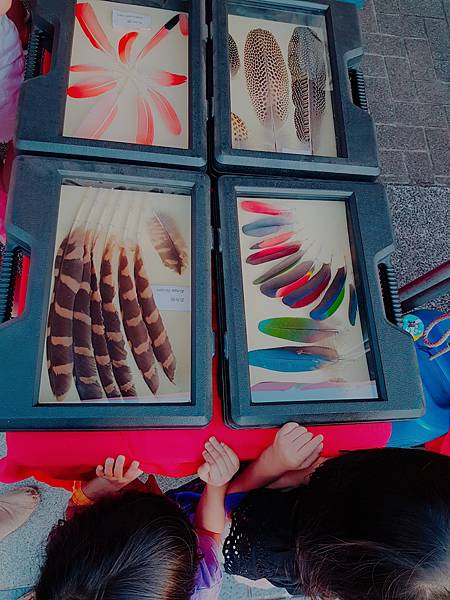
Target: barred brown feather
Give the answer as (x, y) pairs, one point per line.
(233, 56)
(168, 242)
(155, 326)
(267, 77)
(133, 323)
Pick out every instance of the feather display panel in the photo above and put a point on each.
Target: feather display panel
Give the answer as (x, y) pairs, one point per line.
(311, 290)
(134, 326)
(332, 298)
(267, 226)
(281, 267)
(233, 56)
(279, 286)
(238, 129)
(262, 208)
(275, 240)
(68, 275)
(152, 318)
(168, 242)
(85, 367)
(99, 345)
(296, 329)
(114, 337)
(267, 77)
(292, 359)
(270, 254)
(352, 304)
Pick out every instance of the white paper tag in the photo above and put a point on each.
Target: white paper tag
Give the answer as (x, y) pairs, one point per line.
(172, 297)
(130, 20)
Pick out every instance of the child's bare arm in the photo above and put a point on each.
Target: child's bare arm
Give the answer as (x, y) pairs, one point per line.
(221, 463)
(294, 448)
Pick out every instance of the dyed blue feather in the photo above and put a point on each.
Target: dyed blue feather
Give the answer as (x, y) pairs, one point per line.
(266, 226)
(352, 304)
(332, 298)
(292, 359)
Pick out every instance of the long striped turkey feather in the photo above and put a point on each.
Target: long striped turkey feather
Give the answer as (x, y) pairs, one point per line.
(352, 304)
(296, 329)
(233, 56)
(308, 72)
(152, 318)
(311, 290)
(288, 281)
(100, 347)
(267, 79)
(114, 337)
(134, 326)
(267, 226)
(262, 208)
(275, 240)
(84, 365)
(292, 359)
(332, 298)
(168, 241)
(269, 254)
(279, 268)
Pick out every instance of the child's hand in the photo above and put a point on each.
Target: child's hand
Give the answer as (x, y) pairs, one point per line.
(221, 463)
(296, 448)
(113, 472)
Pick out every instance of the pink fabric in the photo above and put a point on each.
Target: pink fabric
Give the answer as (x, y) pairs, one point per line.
(11, 75)
(3, 200)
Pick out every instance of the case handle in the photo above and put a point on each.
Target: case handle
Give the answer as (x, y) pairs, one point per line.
(41, 41)
(389, 291)
(10, 267)
(358, 88)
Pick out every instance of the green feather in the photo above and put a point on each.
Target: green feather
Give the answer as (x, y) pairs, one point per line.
(296, 329)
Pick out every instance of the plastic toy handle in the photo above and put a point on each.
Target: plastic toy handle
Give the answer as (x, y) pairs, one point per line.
(358, 87)
(389, 291)
(39, 46)
(8, 271)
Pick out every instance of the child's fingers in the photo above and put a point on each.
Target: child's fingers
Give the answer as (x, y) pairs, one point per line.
(306, 449)
(289, 427)
(109, 464)
(207, 456)
(231, 457)
(118, 466)
(312, 458)
(215, 450)
(301, 438)
(203, 471)
(133, 470)
(99, 471)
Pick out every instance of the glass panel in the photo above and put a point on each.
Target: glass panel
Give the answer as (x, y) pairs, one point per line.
(280, 83)
(119, 324)
(306, 332)
(129, 75)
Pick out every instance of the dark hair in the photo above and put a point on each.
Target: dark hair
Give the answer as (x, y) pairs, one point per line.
(375, 525)
(132, 546)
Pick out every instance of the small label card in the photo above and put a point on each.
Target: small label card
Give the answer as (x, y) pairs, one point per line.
(130, 20)
(172, 297)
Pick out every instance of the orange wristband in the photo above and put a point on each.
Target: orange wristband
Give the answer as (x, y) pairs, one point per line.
(79, 498)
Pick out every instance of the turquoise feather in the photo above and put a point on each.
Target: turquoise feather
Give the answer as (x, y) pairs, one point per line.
(332, 298)
(292, 359)
(266, 226)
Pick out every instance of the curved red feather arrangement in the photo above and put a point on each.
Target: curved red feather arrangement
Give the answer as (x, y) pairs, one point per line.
(126, 45)
(166, 112)
(92, 87)
(262, 208)
(311, 290)
(145, 126)
(93, 30)
(269, 254)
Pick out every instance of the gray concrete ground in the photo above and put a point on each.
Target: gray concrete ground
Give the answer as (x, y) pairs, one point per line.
(406, 68)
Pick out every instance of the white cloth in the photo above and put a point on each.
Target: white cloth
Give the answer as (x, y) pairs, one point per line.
(12, 67)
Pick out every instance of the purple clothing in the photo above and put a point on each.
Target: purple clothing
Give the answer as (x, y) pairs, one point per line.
(209, 575)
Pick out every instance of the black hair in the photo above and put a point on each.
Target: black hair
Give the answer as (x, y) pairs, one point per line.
(375, 525)
(132, 546)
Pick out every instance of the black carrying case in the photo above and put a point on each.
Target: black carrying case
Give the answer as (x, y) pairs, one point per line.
(43, 97)
(394, 363)
(31, 226)
(357, 155)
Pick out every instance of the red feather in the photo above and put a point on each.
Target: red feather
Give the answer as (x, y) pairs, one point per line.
(93, 30)
(275, 240)
(311, 290)
(166, 112)
(90, 88)
(166, 79)
(262, 208)
(287, 289)
(125, 46)
(184, 25)
(158, 37)
(269, 254)
(87, 69)
(145, 127)
(99, 118)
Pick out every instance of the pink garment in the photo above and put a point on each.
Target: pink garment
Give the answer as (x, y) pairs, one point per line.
(12, 67)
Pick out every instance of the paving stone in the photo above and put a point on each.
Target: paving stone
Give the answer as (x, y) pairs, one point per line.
(443, 181)
(385, 45)
(439, 38)
(399, 137)
(439, 145)
(386, 6)
(435, 92)
(400, 80)
(426, 115)
(447, 108)
(393, 165)
(424, 8)
(442, 69)
(401, 25)
(419, 54)
(374, 66)
(419, 167)
(380, 99)
(367, 17)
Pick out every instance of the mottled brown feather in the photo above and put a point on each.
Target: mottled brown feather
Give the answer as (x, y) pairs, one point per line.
(168, 241)
(238, 128)
(233, 56)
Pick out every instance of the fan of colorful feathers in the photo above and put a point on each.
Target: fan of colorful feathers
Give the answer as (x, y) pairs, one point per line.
(103, 306)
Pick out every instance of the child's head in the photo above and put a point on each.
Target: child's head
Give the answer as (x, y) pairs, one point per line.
(375, 525)
(132, 546)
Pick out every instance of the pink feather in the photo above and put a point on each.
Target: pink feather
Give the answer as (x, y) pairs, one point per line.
(167, 79)
(125, 46)
(184, 24)
(92, 87)
(99, 118)
(87, 69)
(166, 112)
(93, 30)
(145, 128)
